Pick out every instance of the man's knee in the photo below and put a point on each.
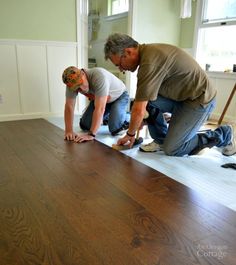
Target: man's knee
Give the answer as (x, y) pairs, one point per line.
(83, 126)
(170, 150)
(152, 114)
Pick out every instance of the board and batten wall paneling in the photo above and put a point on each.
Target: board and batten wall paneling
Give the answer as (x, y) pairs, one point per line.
(30, 78)
(10, 98)
(33, 78)
(224, 84)
(58, 59)
(31, 85)
(226, 87)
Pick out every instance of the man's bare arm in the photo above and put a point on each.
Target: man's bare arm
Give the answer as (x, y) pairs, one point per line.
(137, 114)
(69, 118)
(99, 109)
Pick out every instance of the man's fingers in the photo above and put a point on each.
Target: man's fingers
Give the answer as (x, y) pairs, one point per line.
(69, 137)
(79, 140)
(83, 138)
(121, 141)
(66, 138)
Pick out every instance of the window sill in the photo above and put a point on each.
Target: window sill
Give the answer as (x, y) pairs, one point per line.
(115, 17)
(221, 75)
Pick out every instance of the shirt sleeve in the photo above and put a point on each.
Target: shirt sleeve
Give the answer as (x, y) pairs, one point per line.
(70, 93)
(149, 82)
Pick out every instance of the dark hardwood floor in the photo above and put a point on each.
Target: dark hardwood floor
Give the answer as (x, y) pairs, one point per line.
(63, 203)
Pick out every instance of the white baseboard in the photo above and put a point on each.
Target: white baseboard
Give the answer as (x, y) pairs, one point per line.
(227, 119)
(13, 117)
(28, 116)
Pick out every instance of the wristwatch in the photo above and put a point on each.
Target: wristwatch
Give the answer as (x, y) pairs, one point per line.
(90, 133)
(129, 134)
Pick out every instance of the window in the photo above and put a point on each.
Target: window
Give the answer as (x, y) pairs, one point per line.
(216, 42)
(118, 6)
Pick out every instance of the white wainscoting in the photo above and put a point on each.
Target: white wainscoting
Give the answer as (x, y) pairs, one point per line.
(30, 78)
(31, 86)
(224, 82)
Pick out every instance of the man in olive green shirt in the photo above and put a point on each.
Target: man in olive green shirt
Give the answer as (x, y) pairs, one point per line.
(169, 80)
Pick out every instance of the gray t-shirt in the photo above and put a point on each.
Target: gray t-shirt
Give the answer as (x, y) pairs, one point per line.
(101, 83)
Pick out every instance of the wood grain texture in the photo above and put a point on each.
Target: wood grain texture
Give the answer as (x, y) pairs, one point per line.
(63, 203)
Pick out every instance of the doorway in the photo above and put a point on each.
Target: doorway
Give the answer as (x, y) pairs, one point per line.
(94, 25)
(101, 23)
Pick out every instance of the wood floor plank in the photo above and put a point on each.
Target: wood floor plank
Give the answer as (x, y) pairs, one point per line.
(67, 203)
(32, 226)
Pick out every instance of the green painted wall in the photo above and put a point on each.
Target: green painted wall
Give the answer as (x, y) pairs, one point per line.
(157, 21)
(53, 20)
(187, 29)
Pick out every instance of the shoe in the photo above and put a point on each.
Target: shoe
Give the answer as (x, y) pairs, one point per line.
(151, 147)
(230, 149)
(124, 127)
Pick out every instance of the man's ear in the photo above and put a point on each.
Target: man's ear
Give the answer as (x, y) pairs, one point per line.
(130, 51)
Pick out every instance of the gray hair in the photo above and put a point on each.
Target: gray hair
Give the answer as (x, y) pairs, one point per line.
(116, 43)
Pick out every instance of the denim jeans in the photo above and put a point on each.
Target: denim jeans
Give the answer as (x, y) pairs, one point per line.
(116, 112)
(181, 136)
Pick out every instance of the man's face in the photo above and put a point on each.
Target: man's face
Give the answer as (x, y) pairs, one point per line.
(126, 62)
(81, 83)
(84, 88)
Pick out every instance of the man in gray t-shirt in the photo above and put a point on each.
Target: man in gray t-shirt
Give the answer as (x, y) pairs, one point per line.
(108, 101)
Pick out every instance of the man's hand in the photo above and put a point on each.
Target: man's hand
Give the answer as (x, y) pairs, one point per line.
(83, 137)
(70, 136)
(126, 140)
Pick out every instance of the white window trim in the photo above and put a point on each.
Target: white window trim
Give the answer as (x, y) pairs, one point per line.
(117, 16)
(199, 25)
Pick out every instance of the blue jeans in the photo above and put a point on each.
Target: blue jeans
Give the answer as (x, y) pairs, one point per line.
(181, 136)
(116, 112)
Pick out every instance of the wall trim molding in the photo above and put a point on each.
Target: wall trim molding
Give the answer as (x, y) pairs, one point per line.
(227, 118)
(37, 42)
(28, 116)
(222, 75)
(43, 115)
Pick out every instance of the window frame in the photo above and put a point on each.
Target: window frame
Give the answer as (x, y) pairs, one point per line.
(200, 23)
(110, 9)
